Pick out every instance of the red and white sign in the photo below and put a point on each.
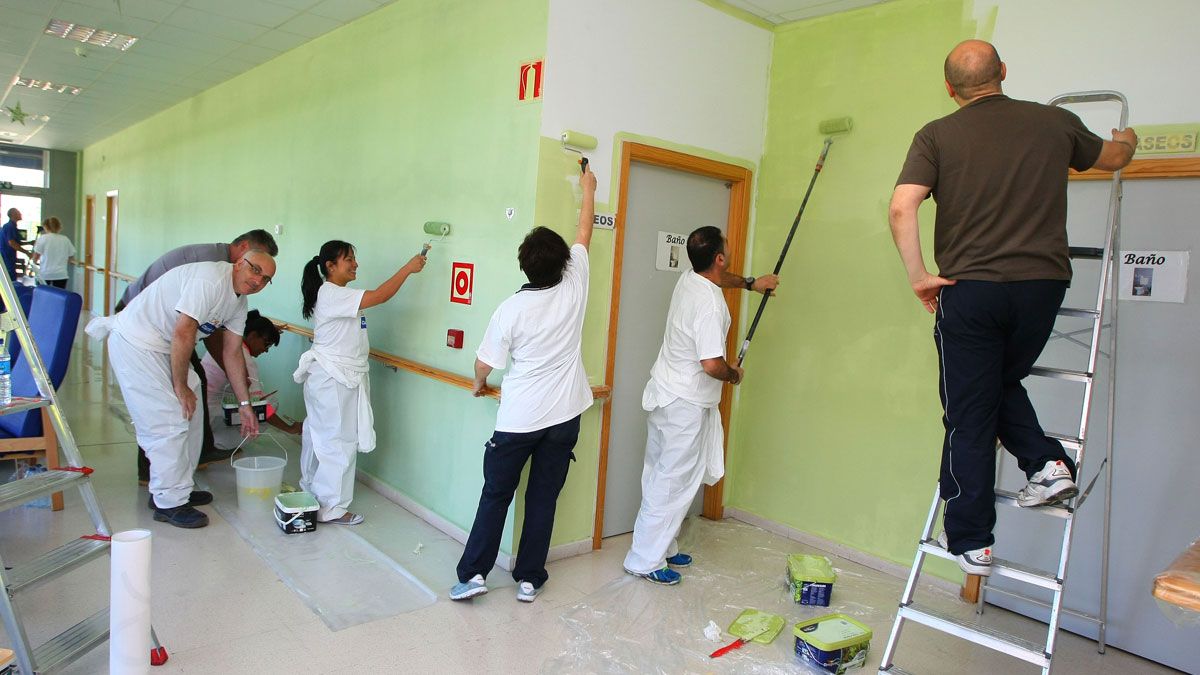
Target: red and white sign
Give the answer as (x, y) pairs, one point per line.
(530, 87)
(462, 282)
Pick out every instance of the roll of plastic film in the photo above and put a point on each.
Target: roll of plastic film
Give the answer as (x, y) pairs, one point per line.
(579, 140)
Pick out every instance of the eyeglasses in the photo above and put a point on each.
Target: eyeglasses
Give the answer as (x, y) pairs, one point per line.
(258, 271)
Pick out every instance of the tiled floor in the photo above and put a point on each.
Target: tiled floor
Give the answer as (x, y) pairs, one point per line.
(220, 609)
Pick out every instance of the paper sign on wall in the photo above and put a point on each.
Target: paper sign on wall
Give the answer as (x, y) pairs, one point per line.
(672, 252)
(462, 282)
(1155, 276)
(604, 221)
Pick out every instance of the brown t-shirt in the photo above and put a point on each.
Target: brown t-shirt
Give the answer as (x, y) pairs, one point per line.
(998, 171)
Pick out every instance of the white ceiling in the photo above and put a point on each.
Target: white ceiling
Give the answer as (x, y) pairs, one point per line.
(183, 48)
(783, 11)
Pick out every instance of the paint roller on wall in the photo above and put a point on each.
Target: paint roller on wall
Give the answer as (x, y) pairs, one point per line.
(435, 228)
(577, 142)
(829, 127)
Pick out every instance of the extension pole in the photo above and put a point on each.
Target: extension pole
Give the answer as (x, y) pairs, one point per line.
(783, 254)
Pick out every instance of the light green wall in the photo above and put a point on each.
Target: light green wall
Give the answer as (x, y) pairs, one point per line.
(837, 431)
(404, 116)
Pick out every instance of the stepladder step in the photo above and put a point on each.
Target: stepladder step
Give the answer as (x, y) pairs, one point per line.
(1009, 498)
(1003, 568)
(31, 487)
(72, 643)
(53, 563)
(1006, 643)
(23, 403)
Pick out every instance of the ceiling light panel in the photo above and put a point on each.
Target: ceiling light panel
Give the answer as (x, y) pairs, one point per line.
(88, 35)
(46, 85)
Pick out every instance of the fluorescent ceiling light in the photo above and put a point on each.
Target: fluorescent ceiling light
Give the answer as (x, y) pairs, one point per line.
(47, 86)
(91, 36)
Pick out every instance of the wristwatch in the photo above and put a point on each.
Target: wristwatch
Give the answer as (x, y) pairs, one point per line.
(749, 281)
(243, 404)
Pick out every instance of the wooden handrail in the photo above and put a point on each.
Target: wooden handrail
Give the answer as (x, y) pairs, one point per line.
(1143, 169)
(599, 392)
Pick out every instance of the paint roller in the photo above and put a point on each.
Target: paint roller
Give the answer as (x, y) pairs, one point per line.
(436, 228)
(828, 128)
(577, 142)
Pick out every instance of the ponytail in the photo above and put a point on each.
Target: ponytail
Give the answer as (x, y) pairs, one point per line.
(315, 272)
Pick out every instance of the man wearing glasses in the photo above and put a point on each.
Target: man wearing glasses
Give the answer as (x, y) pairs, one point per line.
(254, 240)
(149, 344)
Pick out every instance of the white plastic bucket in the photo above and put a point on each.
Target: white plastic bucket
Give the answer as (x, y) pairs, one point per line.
(258, 480)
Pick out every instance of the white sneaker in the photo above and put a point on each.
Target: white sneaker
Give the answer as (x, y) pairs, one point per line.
(526, 592)
(977, 561)
(1051, 485)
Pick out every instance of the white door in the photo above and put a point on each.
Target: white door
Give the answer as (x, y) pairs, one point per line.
(660, 200)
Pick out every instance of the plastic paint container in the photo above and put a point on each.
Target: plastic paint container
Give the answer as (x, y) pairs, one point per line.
(258, 480)
(833, 642)
(296, 512)
(810, 578)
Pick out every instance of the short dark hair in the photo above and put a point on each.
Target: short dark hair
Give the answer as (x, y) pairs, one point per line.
(703, 245)
(543, 257)
(262, 326)
(973, 73)
(260, 239)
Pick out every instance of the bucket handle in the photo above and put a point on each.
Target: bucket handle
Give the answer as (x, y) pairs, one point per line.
(273, 440)
(285, 523)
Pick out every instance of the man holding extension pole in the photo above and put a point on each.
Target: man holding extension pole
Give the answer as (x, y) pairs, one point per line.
(685, 441)
(997, 168)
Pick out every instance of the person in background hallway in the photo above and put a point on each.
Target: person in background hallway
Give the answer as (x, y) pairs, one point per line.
(10, 243)
(685, 442)
(51, 252)
(337, 385)
(148, 346)
(545, 392)
(997, 168)
(254, 240)
(258, 338)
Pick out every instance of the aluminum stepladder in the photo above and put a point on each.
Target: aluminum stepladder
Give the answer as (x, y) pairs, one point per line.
(79, 639)
(1103, 314)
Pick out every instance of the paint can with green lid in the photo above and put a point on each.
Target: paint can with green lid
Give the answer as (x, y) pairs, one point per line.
(833, 642)
(810, 578)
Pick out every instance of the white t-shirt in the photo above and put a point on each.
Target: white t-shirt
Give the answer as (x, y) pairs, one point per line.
(697, 325)
(203, 291)
(218, 380)
(541, 330)
(339, 327)
(55, 249)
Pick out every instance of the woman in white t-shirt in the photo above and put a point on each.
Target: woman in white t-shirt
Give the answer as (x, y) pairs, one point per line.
(337, 390)
(51, 252)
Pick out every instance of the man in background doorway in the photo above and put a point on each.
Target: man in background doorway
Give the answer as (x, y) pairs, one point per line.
(10, 243)
(997, 168)
(685, 443)
(254, 240)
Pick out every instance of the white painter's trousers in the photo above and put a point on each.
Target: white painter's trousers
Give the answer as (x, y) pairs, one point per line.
(671, 474)
(171, 442)
(329, 444)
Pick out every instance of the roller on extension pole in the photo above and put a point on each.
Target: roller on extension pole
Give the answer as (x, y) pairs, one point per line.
(839, 125)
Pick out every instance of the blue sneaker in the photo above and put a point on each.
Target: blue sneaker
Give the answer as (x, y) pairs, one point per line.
(526, 592)
(469, 589)
(679, 560)
(666, 576)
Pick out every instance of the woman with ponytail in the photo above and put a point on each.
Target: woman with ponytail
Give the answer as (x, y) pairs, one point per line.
(337, 391)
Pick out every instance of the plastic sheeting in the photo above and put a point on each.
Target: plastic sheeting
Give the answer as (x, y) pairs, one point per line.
(342, 577)
(1178, 587)
(631, 625)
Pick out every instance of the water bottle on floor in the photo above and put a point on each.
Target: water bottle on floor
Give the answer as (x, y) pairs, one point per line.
(5, 375)
(40, 502)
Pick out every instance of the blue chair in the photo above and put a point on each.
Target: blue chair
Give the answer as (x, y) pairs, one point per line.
(53, 318)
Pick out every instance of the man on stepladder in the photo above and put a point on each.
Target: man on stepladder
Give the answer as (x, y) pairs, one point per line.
(685, 441)
(544, 394)
(997, 168)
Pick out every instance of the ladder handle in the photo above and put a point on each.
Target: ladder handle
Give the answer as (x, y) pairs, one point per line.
(1095, 96)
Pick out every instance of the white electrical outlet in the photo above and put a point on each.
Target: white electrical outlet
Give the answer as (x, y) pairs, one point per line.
(278, 228)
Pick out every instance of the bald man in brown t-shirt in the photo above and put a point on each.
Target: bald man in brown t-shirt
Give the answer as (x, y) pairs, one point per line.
(997, 168)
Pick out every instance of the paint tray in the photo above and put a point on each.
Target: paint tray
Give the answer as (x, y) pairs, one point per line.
(757, 626)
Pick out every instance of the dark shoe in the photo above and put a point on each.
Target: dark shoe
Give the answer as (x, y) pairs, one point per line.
(181, 516)
(212, 456)
(679, 560)
(197, 498)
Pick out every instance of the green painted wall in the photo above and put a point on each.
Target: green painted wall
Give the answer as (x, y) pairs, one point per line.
(837, 431)
(404, 116)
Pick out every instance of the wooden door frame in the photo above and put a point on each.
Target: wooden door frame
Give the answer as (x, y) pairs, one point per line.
(89, 249)
(736, 227)
(112, 213)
